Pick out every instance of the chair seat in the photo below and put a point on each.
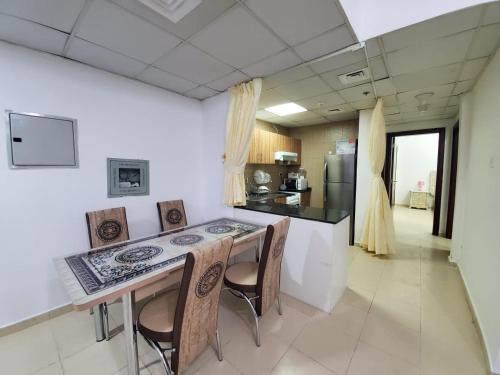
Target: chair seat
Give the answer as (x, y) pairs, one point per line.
(242, 276)
(156, 319)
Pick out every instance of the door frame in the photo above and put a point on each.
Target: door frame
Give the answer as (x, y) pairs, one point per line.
(453, 180)
(387, 171)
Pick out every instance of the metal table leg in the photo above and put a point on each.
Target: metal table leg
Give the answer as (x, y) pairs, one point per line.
(130, 333)
(98, 313)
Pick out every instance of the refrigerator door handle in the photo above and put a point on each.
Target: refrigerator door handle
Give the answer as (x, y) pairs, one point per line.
(325, 184)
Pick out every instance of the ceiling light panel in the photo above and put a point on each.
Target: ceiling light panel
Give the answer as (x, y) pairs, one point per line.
(296, 21)
(286, 109)
(173, 10)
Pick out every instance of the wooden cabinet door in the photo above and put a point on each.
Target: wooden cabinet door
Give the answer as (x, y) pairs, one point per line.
(253, 153)
(266, 147)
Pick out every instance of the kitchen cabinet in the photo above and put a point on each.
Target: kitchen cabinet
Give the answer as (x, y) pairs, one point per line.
(305, 198)
(264, 144)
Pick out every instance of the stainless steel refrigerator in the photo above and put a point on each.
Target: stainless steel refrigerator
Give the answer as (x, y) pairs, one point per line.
(340, 185)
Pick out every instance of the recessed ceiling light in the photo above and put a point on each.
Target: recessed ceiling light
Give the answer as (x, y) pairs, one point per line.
(286, 109)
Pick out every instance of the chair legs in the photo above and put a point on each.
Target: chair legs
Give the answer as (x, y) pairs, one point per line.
(280, 311)
(161, 352)
(219, 347)
(243, 296)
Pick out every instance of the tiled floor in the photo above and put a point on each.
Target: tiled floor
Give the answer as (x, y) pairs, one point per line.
(401, 315)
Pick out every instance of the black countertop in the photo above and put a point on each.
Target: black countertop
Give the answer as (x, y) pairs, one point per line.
(329, 215)
(294, 190)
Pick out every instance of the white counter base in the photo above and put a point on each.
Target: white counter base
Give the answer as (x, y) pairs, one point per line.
(314, 268)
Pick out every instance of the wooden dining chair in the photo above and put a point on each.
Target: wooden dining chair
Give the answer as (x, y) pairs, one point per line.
(106, 227)
(172, 214)
(258, 284)
(187, 318)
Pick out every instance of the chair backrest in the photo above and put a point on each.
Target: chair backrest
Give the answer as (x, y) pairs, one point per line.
(107, 226)
(172, 215)
(195, 320)
(268, 277)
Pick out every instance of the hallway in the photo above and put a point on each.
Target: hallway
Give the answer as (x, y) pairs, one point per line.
(417, 309)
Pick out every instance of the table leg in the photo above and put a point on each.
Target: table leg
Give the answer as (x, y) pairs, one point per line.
(130, 333)
(98, 314)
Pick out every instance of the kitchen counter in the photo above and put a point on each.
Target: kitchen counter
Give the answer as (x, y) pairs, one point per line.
(295, 190)
(308, 213)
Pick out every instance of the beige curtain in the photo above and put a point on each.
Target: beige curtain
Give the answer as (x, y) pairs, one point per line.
(239, 129)
(378, 227)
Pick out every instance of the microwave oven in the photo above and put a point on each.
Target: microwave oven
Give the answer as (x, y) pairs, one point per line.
(296, 183)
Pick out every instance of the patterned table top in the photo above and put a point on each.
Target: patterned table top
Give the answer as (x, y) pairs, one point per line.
(104, 268)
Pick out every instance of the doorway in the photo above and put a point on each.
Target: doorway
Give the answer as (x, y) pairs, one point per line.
(413, 172)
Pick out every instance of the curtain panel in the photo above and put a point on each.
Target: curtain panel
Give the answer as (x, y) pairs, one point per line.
(239, 130)
(378, 228)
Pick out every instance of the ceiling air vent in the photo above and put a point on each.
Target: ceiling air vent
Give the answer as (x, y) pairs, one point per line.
(174, 10)
(355, 76)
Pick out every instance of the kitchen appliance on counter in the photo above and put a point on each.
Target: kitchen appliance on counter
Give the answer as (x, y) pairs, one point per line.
(340, 185)
(292, 183)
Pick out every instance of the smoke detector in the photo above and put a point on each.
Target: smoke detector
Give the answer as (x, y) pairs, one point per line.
(174, 10)
(355, 76)
(423, 99)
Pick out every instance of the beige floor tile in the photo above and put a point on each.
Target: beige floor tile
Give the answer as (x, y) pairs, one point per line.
(358, 297)
(106, 357)
(244, 355)
(304, 308)
(399, 291)
(451, 358)
(54, 369)
(327, 345)
(348, 319)
(285, 327)
(28, 351)
(73, 332)
(297, 363)
(392, 338)
(406, 314)
(368, 360)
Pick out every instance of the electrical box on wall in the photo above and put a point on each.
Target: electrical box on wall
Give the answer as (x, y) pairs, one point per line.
(36, 140)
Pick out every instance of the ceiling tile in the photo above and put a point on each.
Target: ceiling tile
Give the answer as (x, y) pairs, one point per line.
(333, 80)
(58, 14)
(385, 87)
(485, 42)
(193, 22)
(273, 64)
(463, 86)
(439, 93)
(391, 110)
(189, 62)
(113, 27)
(297, 20)
(314, 121)
(238, 39)
(157, 77)
(303, 89)
(201, 92)
(422, 116)
(308, 115)
(364, 104)
(343, 116)
(287, 76)
(390, 100)
(283, 121)
(412, 106)
(372, 48)
(454, 100)
(437, 52)
(103, 58)
(330, 110)
(231, 79)
(378, 69)
(326, 43)
(31, 35)
(322, 101)
(472, 68)
(264, 115)
(451, 110)
(448, 24)
(428, 77)
(492, 13)
(269, 98)
(393, 117)
(354, 94)
(335, 62)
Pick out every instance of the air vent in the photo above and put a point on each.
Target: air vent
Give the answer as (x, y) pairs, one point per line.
(335, 110)
(355, 76)
(174, 10)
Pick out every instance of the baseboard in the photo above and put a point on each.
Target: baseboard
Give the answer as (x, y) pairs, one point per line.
(19, 326)
(475, 320)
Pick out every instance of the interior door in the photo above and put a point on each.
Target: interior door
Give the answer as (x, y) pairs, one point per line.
(394, 169)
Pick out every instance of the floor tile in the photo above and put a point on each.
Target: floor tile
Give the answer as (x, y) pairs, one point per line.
(297, 363)
(371, 361)
(285, 327)
(54, 369)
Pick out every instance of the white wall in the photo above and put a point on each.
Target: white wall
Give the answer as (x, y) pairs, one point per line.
(477, 249)
(42, 210)
(363, 173)
(214, 132)
(416, 159)
(371, 18)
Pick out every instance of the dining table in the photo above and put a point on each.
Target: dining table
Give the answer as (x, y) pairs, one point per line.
(138, 268)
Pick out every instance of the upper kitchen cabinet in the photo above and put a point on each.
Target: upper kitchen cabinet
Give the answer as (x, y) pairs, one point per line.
(265, 144)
